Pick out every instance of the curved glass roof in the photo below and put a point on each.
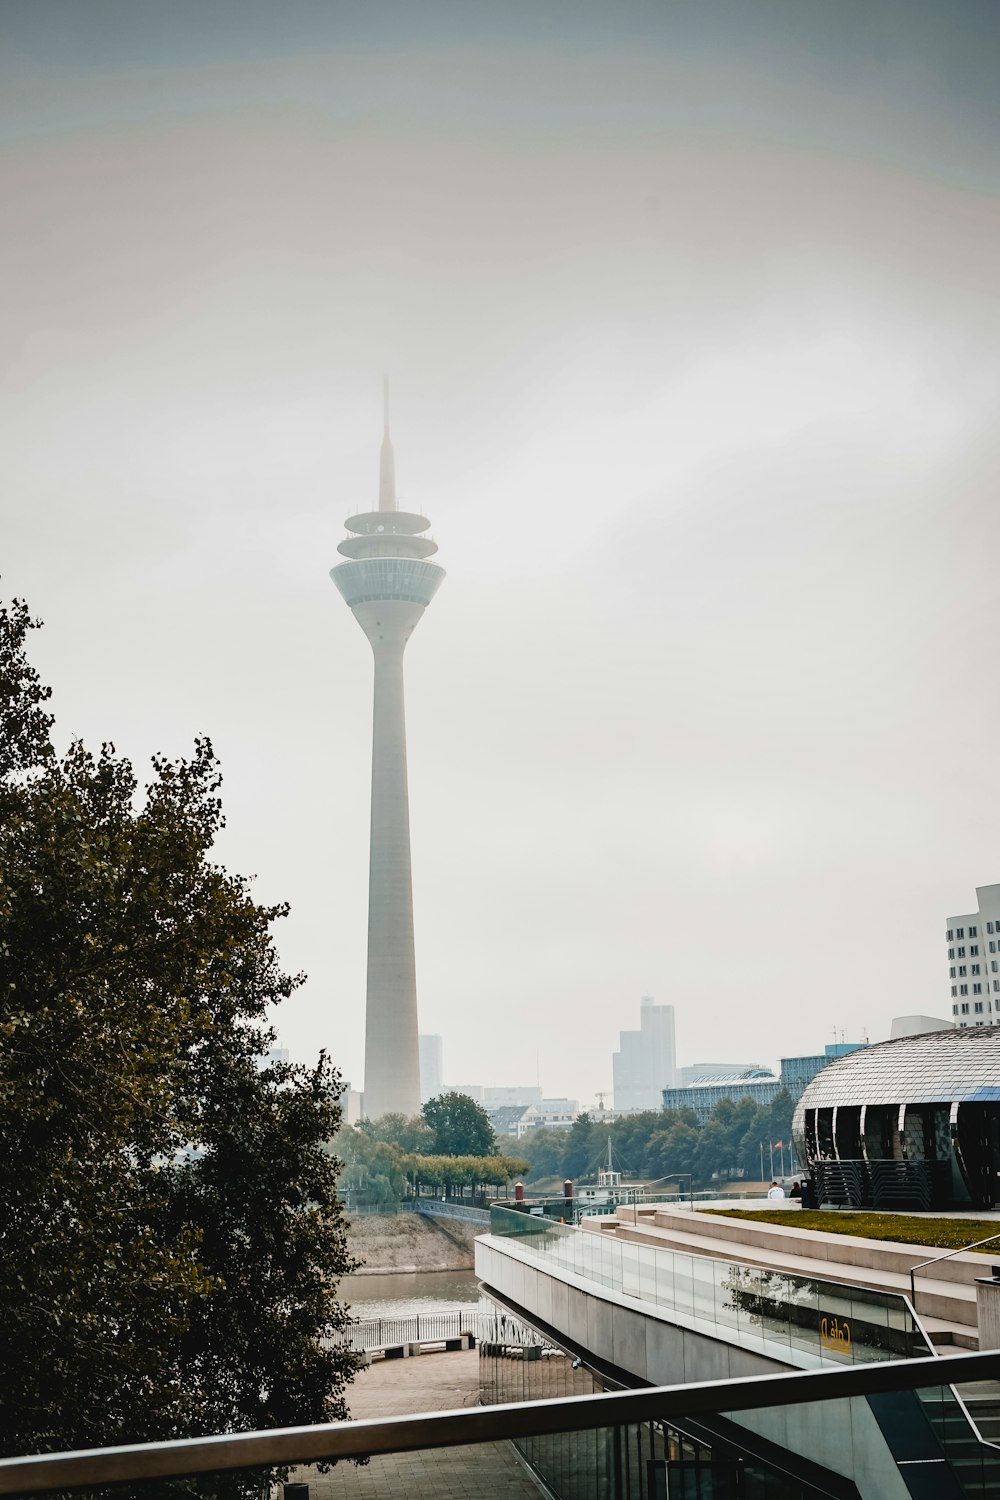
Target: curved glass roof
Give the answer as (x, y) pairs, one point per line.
(938, 1067)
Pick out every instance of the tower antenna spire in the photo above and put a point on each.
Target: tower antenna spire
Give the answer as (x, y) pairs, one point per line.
(387, 459)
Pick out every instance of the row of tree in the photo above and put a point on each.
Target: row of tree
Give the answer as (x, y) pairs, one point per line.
(449, 1148)
(660, 1144)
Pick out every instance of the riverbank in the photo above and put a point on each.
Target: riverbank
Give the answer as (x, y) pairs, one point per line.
(411, 1242)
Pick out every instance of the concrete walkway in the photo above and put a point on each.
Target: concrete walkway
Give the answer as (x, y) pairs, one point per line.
(427, 1382)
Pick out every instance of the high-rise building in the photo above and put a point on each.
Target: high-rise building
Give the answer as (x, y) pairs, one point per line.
(646, 1062)
(973, 945)
(431, 1067)
(388, 583)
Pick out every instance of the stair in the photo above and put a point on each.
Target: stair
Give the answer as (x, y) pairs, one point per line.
(946, 1293)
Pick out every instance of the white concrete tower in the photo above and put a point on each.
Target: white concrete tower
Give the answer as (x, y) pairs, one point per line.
(388, 585)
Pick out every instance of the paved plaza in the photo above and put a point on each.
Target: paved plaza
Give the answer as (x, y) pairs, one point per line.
(427, 1382)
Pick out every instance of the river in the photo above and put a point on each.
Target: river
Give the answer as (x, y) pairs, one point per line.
(398, 1294)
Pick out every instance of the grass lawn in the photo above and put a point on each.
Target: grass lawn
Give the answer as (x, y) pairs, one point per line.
(944, 1234)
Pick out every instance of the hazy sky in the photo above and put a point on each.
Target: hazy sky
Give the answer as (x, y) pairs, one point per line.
(691, 315)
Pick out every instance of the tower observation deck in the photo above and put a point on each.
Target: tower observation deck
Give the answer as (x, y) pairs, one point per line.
(388, 583)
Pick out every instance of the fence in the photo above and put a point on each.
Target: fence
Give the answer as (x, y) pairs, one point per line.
(442, 1208)
(368, 1335)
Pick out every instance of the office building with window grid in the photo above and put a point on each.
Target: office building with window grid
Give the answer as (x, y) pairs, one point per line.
(972, 943)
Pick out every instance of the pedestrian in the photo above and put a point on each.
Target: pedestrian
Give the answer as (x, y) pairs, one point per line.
(775, 1192)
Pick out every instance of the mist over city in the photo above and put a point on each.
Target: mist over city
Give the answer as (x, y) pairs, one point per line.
(689, 314)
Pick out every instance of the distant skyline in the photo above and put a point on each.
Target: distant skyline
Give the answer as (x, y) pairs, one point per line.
(690, 313)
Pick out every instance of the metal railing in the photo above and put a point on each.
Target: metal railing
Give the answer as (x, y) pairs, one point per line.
(936, 1260)
(44, 1472)
(368, 1335)
(445, 1208)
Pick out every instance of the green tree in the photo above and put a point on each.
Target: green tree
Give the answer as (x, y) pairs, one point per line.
(581, 1147)
(461, 1127)
(545, 1152)
(170, 1232)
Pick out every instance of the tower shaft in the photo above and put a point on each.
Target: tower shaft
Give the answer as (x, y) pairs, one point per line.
(392, 1058)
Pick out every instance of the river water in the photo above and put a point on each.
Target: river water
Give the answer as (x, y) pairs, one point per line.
(399, 1294)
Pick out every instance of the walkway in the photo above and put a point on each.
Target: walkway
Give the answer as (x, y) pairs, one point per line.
(427, 1382)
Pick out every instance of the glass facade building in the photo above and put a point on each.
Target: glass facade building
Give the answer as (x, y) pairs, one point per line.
(911, 1123)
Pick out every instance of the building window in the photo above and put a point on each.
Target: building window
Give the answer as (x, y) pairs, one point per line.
(961, 970)
(973, 950)
(960, 932)
(993, 947)
(977, 989)
(954, 1010)
(954, 989)
(965, 1009)
(951, 972)
(948, 935)
(996, 984)
(963, 989)
(961, 952)
(951, 953)
(993, 965)
(989, 927)
(975, 968)
(973, 931)
(978, 1007)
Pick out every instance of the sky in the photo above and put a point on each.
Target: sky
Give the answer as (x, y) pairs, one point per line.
(690, 314)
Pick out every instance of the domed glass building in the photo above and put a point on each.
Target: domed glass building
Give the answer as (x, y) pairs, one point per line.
(912, 1123)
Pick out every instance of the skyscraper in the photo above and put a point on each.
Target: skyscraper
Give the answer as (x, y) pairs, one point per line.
(388, 584)
(431, 1067)
(645, 1063)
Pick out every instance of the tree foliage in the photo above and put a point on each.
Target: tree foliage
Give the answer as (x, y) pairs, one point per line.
(389, 1159)
(170, 1232)
(461, 1127)
(656, 1144)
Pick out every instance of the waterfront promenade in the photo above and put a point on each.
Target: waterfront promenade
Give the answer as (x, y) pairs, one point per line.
(427, 1382)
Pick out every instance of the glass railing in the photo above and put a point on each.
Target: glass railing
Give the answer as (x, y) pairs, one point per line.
(798, 1320)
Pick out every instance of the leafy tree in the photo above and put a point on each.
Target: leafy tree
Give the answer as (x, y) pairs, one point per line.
(580, 1147)
(461, 1127)
(413, 1134)
(545, 1152)
(170, 1233)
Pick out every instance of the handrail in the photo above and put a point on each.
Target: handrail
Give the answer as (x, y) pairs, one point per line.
(483, 1424)
(938, 1258)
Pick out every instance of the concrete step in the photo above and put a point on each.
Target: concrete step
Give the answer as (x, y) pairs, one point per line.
(949, 1303)
(880, 1255)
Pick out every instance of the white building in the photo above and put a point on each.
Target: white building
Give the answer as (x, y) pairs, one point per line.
(431, 1067)
(917, 1026)
(473, 1091)
(501, 1098)
(711, 1072)
(646, 1062)
(973, 945)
